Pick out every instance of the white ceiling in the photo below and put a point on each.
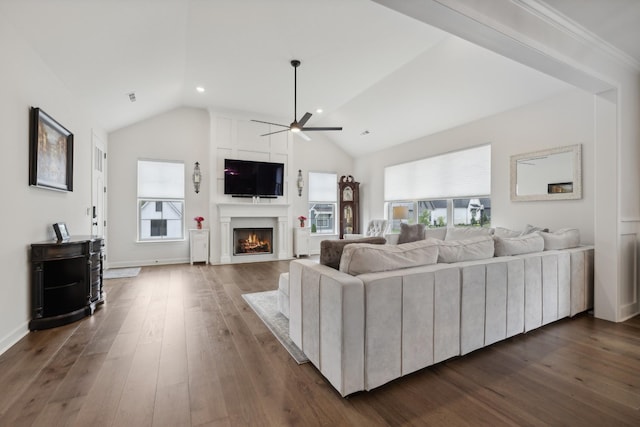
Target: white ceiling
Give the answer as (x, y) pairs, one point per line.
(368, 67)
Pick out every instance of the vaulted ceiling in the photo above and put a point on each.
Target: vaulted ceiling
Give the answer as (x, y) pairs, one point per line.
(368, 67)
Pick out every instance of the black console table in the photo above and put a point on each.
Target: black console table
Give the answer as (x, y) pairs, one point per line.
(66, 280)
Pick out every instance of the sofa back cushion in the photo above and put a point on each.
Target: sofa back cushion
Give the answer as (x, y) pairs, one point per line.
(564, 238)
(437, 233)
(481, 247)
(360, 258)
(464, 233)
(331, 250)
(507, 246)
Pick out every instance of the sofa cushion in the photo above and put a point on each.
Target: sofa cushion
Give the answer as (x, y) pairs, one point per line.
(564, 238)
(506, 246)
(505, 232)
(481, 247)
(436, 233)
(410, 233)
(360, 258)
(464, 233)
(331, 250)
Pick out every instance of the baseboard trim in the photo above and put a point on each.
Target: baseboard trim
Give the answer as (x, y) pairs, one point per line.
(147, 262)
(14, 336)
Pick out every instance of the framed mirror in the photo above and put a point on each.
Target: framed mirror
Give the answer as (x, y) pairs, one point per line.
(554, 174)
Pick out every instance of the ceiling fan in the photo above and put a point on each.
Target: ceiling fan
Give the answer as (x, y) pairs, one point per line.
(296, 126)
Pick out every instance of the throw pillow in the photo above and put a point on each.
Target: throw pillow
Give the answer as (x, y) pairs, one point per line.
(360, 258)
(410, 233)
(532, 229)
(505, 232)
(331, 250)
(466, 250)
(564, 238)
(529, 243)
(463, 233)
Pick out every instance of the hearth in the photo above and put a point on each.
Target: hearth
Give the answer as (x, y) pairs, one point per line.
(252, 241)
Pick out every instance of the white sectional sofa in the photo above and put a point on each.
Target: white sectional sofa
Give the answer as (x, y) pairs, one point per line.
(364, 330)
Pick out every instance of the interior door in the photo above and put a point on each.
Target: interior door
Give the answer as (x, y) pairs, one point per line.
(98, 192)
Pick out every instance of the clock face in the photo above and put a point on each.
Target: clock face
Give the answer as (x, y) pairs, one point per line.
(347, 194)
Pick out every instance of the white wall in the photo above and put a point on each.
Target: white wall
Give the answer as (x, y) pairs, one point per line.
(180, 135)
(29, 211)
(558, 121)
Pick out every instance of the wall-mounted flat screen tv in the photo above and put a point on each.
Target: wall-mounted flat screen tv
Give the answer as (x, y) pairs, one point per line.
(246, 178)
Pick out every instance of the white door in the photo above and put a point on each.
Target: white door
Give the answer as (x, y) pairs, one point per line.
(98, 192)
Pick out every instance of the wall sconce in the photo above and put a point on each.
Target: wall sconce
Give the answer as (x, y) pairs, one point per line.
(300, 182)
(197, 176)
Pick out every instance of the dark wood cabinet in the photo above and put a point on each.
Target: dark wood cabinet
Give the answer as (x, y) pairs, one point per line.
(349, 194)
(66, 280)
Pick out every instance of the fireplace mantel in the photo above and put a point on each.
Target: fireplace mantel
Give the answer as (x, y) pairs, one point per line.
(229, 211)
(252, 210)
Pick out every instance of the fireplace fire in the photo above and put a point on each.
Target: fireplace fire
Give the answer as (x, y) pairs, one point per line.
(252, 241)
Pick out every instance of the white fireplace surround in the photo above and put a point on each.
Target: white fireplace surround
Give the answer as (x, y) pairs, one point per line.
(233, 212)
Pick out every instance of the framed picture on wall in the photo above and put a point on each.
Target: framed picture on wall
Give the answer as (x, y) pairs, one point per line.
(50, 153)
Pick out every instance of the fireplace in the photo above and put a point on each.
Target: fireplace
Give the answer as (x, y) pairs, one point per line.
(252, 241)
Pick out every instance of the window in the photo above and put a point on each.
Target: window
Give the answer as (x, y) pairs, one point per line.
(449, 189)
(160, 200)
(323, 197)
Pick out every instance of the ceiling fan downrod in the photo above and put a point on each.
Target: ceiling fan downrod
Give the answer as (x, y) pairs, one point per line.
(294, 125)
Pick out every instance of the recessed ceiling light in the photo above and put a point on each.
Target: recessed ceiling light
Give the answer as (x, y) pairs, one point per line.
(364, 132)
(200, 89)
(319, 110)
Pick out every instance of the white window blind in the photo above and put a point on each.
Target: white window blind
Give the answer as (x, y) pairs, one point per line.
(158, 179)
(323, 187)
(456, 174)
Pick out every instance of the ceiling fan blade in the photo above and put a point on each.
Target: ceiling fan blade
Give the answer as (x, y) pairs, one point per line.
(325, 128)
(278, 131)
(304, 119)
(269, 123)
(302, 135)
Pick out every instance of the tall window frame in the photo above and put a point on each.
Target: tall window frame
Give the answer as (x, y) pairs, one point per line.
(160, 200)
(323, 202)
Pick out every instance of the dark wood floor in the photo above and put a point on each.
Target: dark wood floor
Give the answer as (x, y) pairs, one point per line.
(178, 346)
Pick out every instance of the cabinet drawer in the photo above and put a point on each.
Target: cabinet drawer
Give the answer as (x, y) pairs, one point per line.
(57, 251)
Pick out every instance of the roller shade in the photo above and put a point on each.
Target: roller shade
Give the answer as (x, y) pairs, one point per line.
(456, 174)
(160, 180)
(323, 187)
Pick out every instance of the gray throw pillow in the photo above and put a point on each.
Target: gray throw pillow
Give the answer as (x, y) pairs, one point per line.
(331, 250)
(410, 233)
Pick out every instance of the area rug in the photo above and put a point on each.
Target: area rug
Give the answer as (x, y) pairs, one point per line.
(265, 304)
(119, 273)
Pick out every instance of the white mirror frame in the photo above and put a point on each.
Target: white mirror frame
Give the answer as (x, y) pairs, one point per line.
(577, 174)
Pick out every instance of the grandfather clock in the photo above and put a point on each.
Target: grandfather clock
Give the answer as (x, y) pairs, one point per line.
(349, 193)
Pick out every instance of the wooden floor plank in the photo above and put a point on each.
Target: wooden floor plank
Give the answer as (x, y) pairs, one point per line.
(178, 346)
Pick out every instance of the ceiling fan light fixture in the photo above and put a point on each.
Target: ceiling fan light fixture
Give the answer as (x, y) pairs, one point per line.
(301, 125)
